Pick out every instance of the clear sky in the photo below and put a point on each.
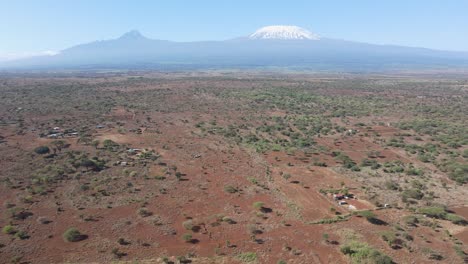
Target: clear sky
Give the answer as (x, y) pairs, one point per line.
(34, 26)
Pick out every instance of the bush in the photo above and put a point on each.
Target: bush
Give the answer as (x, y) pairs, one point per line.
(410, 220)
(465, 153)
(42, 150)
(22, 235)
(9, 230)
(187, 237)
(367, 214)
(247, 257)
(228, 220)
(346, 160)
(109, 144)
(433, 211)
(414, 172)
(143, 212)
(123, 242)
(391, 238)
(188, 225)
(391, 185)
(230, 189)
(456, 219)
(72, 235)
(412, 193)
(460, 174)
(320, 164)
(363, 253)
(258, 205)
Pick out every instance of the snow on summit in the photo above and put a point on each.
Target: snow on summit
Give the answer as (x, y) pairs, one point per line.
(283, 32)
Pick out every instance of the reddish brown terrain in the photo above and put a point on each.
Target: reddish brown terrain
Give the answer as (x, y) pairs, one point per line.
(233, 168)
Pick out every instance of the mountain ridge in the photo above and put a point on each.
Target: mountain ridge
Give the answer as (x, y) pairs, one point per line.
(273, 46)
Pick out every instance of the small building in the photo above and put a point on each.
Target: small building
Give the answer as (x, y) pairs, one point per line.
(52, 136)
(133, 151)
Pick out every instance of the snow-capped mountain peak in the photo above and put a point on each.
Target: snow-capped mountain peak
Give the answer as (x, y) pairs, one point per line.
(283, 32)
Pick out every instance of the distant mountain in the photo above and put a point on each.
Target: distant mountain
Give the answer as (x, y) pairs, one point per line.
(272, 46)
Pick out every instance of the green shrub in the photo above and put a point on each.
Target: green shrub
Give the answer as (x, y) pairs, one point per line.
(338, 218)
(456, 219)
(363, 253)
(258, 205)
(320, 164)
(247, 257)
(109, 144)
(187, 237)
(228, 220)
(230, 189)
(410, 220)
(22, 235)
(391, 185)
(9, 230)
(391, 239)
(459, 173)
(458, 249)
(465, 153)
(144, 212)
(346, 160)
(188, 225)
(414, 172)
(412, 193)
(72, 235)
(433, 211)
(370, 163)
(367, 214)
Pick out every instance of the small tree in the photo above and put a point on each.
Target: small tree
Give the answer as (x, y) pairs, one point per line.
(109, 144)
(42, 150)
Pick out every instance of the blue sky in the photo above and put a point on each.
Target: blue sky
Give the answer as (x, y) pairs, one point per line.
(33, 26)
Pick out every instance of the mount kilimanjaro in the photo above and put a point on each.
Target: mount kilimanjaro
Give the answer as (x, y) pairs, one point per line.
(268, 47)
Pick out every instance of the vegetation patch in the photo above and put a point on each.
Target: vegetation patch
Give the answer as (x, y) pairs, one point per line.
(247, 257)
(362, 253)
